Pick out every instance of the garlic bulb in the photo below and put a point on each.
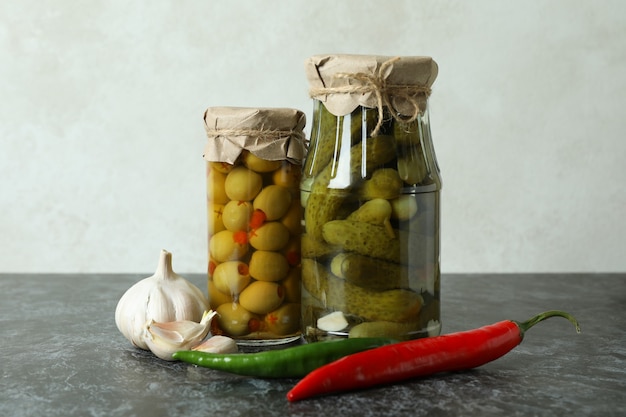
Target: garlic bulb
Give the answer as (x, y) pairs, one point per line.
(163, 297)
(164, 339)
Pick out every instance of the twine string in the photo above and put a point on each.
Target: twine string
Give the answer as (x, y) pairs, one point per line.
(262, 134)
(384, 92)
(259, 133)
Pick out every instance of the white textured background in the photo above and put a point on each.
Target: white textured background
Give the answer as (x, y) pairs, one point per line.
(101, 131)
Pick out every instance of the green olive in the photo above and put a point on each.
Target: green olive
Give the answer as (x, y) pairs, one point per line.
(216, 297)
(234, 319)
(293, 218)
(284, 320)
(274, 201)
(292, 251)
(214, 217)
(292, 285)
(270, 236)
(268, 266)
(288, 176)
(231, 277)
(236, 215)
(223, 247)
(216, 189)
(253, 162)
(261, 297)
(242, 184)
(223, 167)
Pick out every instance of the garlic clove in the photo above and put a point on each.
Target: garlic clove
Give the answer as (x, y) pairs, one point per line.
(163, 339)
(217, 344)
(332, 322)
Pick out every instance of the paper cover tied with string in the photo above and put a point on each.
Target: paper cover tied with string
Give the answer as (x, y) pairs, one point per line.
(400, 85)
(272, 134)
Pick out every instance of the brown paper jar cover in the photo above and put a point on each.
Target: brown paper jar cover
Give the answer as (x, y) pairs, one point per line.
(272, 134)
(344, 82)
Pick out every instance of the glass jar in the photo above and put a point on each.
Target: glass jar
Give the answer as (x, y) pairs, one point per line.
(371, 197)
(253, 171)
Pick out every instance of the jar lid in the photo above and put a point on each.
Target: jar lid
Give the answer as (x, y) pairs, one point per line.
(272, 134)
(344, 82)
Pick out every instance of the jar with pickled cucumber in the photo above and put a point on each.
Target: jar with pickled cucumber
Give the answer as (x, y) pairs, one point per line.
(253, 169)
(370, 193)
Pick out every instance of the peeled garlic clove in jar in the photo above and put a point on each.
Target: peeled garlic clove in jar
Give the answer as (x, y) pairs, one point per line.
(332, 322)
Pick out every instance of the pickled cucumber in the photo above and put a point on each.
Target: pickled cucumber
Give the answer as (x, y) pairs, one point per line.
(374, 274)
(398, 331)
(314, 248)
(323, 202)
(324, 138)
(328, 131)
(376, 211)
(340, 295)
(407, 133)
(365, 238)
(385, 183)
(404, 207)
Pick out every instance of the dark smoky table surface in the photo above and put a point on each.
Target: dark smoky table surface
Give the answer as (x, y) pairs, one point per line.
(62, 355)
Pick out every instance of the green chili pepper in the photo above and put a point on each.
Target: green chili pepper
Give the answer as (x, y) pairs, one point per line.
(293, 362)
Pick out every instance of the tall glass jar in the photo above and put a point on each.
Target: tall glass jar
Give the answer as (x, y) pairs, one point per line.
(371, 197)
(254, 163)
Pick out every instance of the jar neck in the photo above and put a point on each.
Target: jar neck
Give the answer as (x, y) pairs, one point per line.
(416, 161)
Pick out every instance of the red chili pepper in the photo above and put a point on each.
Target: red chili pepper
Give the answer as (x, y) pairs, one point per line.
(416, 358)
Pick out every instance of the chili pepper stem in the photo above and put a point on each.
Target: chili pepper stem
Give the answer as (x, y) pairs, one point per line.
(525, 325)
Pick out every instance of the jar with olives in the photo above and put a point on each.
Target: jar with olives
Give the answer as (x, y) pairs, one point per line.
(254, 162)
(371, 199)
